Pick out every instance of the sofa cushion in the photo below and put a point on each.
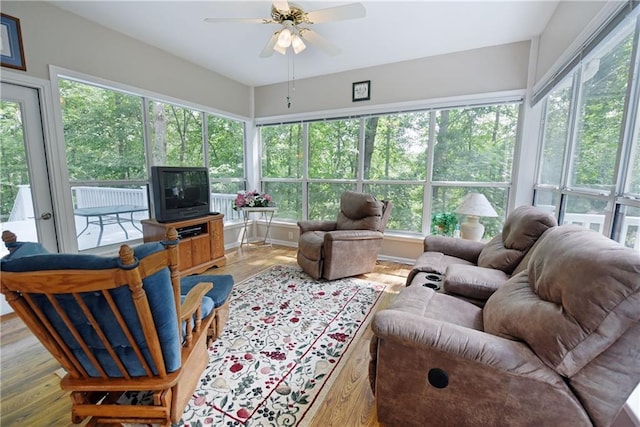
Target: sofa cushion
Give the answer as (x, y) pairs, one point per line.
(495, 255)
(579, 294)
(359, 211)
(521, 229)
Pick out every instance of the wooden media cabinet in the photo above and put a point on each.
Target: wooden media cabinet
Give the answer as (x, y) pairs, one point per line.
(201, 241)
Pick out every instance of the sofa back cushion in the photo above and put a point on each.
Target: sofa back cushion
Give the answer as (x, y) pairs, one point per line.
(359, 211)
(579, 294)
(521, 229)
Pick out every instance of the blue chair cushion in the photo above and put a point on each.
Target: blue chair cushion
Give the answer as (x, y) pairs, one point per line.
(222, 286)
(159, 292)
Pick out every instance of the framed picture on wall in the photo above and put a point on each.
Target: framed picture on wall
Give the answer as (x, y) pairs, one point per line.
(361, 91)
(11, 51)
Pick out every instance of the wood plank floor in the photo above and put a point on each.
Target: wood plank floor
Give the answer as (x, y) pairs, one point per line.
(30, 394)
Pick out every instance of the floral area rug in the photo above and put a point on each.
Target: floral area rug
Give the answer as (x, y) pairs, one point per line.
(281, 348)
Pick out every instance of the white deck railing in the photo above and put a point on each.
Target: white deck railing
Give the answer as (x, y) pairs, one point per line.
(89, 197)
(92, 197)
(97, 197)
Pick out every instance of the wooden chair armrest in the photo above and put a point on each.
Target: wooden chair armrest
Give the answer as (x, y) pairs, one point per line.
(194, 299)
(191, 307)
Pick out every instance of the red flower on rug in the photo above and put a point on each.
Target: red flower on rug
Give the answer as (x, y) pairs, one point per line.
(339, 336)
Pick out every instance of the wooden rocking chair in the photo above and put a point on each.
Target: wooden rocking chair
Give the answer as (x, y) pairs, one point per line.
(118, 326)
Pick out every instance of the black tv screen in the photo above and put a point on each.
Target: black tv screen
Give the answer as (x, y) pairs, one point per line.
(179, 192)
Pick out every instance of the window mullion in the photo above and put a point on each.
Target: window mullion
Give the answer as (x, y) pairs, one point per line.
(624, 166)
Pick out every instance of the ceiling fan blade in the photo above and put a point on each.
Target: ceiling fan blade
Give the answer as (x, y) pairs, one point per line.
(268, 49)
(239, 20)
(319, 41)
(281, 5)
(338, 13)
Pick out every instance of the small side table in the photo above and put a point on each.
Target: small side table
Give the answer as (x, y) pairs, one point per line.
(267, 213)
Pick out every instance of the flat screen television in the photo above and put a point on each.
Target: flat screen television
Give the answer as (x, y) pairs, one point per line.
(179, 193)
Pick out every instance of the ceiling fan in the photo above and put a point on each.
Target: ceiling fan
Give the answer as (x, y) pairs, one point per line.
(294, 32)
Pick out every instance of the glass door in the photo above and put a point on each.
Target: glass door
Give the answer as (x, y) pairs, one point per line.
(25, 198)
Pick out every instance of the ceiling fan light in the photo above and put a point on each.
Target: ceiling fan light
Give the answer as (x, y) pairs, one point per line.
(297, 44)
(284, 39)
(281, 50)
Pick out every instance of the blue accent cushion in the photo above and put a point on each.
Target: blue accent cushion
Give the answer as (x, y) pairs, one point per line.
(222, 286)
(159, 292)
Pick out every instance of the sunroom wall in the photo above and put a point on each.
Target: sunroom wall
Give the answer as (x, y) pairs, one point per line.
(52, 36)
(478, 71)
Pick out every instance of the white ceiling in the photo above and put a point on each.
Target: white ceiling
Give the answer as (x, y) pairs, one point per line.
(392, 31)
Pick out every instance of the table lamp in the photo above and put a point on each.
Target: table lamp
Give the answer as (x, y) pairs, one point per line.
(474, 205)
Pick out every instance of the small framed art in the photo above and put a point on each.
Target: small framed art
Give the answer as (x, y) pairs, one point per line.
(362, 91)
(11, 51)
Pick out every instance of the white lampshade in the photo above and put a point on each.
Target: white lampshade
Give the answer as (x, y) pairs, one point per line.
(281, 50)
(297, 44)
(474, 206)
(284, 38)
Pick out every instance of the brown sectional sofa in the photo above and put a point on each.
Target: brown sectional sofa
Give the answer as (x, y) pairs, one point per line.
(474, 270)
(558, 344)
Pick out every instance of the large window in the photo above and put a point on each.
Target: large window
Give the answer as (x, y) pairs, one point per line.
(388, 155)
(107, 147)
(175, 135)
(588, 168)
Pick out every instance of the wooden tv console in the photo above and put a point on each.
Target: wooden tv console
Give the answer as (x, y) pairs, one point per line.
(201, 241)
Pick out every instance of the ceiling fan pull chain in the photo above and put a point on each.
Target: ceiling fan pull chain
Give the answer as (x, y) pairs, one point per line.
(288, 86)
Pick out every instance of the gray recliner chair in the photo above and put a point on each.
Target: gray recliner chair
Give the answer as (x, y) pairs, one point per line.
(347, 246)
(557, 345)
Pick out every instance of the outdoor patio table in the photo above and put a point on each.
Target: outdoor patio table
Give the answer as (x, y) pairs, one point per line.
(109, 215)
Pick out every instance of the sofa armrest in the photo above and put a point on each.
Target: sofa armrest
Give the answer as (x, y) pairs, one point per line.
(316, 226)
(470, 281)
(423, 334)
(352, 235)
(469, 250)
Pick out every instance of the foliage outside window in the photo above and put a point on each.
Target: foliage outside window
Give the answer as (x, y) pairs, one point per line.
(556, 133)
(590, 186)
(104, 136)
(226, 154)
(176, 135)
(103, 133)
(396, 146)
(13, 157)
(603, 78)
(323, 203)
(387, 156)
(333, 149)
(282, 155)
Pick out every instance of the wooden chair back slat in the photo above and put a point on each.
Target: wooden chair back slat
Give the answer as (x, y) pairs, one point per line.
(103, 338)
(141, 303)
(76, 335)
(127, 333)
(37, 322)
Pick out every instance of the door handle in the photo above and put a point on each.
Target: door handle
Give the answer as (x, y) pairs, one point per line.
(45, 216)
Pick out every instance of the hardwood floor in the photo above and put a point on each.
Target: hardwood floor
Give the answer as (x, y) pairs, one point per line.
(31, 396)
